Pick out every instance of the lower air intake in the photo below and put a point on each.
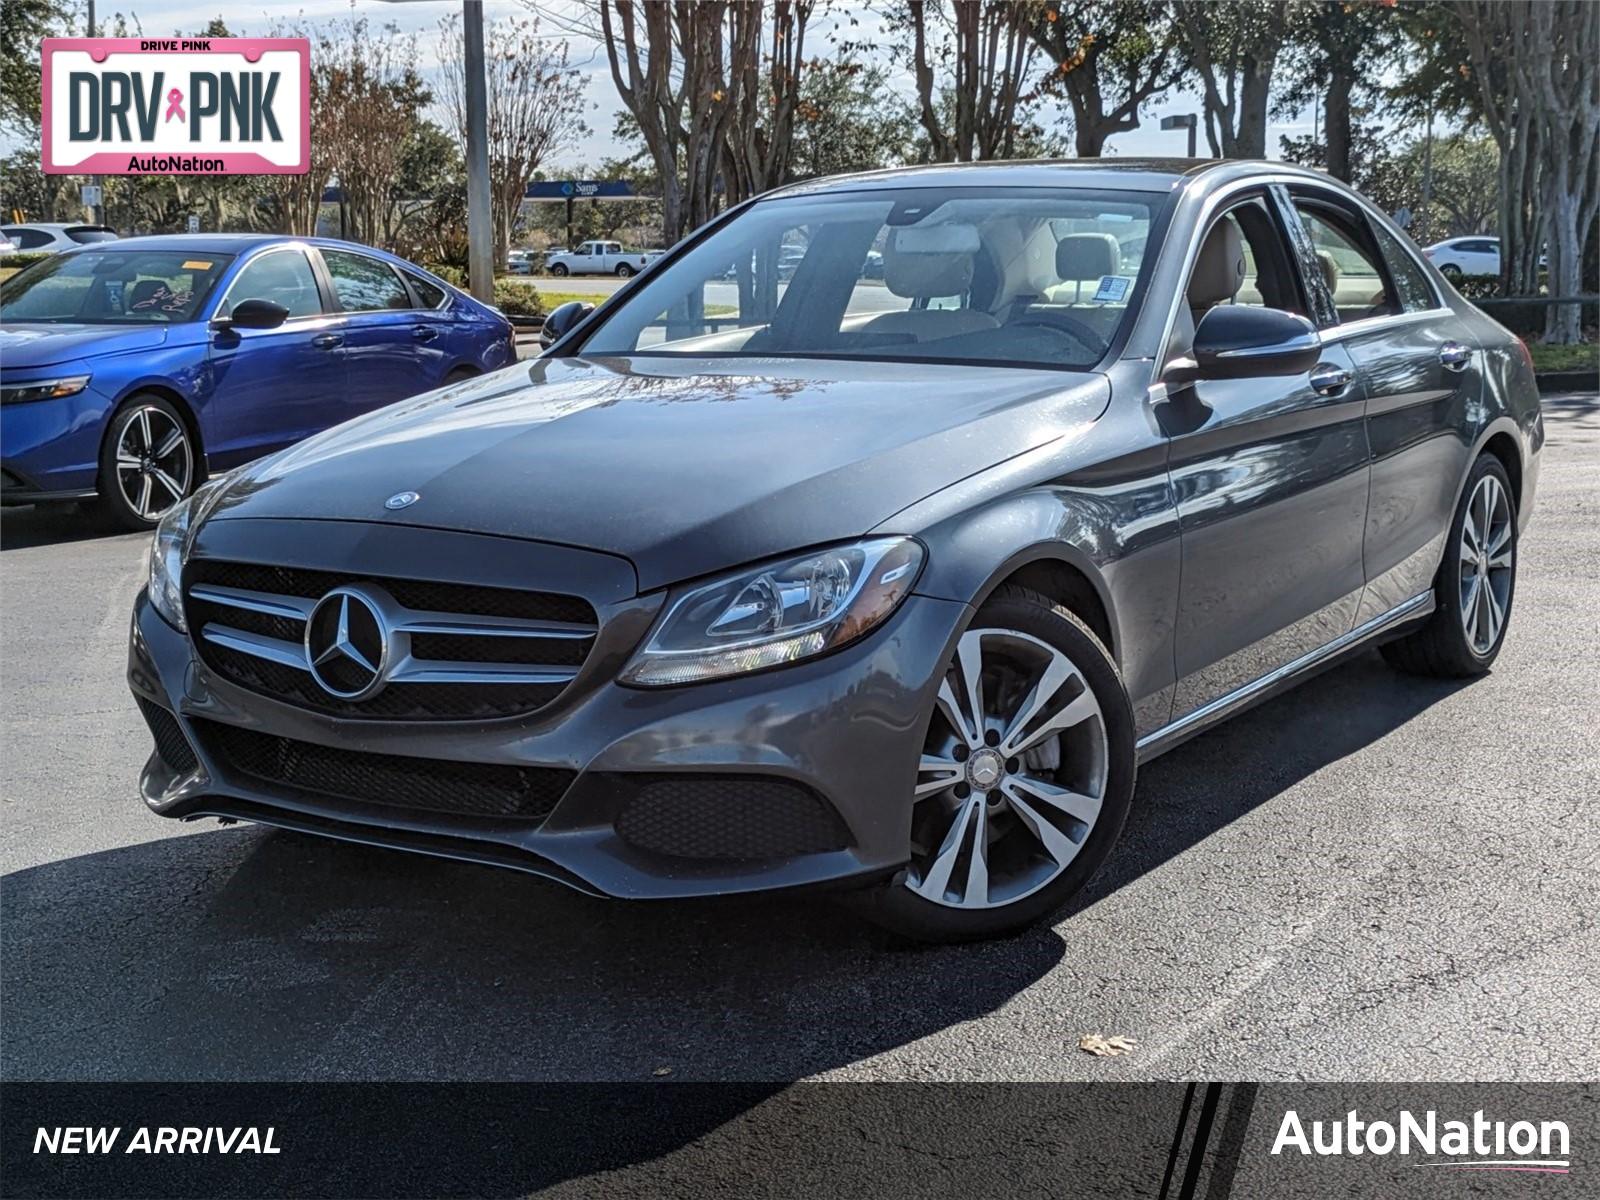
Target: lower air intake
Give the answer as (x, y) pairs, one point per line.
(730, 817)
(433, 785)
(171, 745)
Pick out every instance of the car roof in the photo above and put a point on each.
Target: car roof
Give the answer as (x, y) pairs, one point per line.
(1097, 174)
(232, 243)
(56, 226)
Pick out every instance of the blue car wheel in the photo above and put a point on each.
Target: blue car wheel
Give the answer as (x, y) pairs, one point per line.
(148, 462)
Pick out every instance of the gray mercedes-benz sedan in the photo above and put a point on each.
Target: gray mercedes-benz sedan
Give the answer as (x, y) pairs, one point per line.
(871, 537)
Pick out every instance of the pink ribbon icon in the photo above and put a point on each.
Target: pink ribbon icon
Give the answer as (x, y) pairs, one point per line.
(175, 105)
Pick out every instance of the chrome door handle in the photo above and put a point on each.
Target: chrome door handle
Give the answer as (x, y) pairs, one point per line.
(1329, 379)
(424, 333)
(327, 341)
(1453, 356)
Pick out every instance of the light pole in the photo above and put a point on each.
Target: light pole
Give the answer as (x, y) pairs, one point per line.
(1182, 121)
(97, 214)
(480, 230)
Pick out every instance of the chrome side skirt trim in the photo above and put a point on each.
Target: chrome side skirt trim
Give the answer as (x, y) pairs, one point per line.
(1170, 735)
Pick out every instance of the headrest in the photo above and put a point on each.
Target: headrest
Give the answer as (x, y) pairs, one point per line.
(932, 262)
(1330, 271)
(1087, 256)
(1219, 269)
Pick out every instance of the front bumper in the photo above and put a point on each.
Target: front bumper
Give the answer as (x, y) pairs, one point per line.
(848, 727)
(51, 448)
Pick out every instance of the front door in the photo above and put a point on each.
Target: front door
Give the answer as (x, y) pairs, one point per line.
(1270, 479)
(272, 387)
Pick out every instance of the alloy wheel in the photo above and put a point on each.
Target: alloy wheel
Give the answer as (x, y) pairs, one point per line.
(154, 463)
(1013, 774)
(1487, 561)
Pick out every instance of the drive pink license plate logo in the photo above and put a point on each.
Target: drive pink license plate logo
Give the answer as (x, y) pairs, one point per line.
(177, 106)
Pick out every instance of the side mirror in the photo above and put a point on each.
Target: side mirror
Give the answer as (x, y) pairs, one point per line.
(561, 322)
(253, 314)
(1236, 341)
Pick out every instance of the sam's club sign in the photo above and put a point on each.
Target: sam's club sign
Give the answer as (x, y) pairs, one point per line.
(177, 106)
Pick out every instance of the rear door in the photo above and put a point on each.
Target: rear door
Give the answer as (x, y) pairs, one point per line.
(1421, 374)
(386, 338)
(272, 387)
(1270, 478)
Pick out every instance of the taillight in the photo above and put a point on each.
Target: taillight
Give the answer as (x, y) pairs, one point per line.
(1527, 355)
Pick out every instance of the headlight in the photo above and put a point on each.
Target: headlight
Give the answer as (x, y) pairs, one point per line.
(170, 547)
(777, 614)
(42, 389)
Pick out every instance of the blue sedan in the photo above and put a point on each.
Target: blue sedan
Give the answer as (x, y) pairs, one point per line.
(130, 370)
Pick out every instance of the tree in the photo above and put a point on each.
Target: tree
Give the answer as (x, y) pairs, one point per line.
(1109, 57)
(1536, 67)
(22, 24)
(673, 73)
(759, 146)
(849, 119)
(536, 105)
(1335, 55)
(1234, 47)
(986, 49)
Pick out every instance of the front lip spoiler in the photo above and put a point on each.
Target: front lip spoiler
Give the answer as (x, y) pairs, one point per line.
(392, 838)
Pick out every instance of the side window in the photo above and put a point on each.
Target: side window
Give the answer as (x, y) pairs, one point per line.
(363, 284)
(1266, 279)
(29, 239)
(428, 295)
(1349, 266)
(1409, 280)
(283, 277)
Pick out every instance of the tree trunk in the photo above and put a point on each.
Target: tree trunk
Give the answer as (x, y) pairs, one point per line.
(1336, 120)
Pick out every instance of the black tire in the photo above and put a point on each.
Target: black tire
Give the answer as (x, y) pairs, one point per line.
(624, 271)
(1450, 271)
(460, 375)
(115, 480)
(895, 906)
(559, 270)
(1441, 648)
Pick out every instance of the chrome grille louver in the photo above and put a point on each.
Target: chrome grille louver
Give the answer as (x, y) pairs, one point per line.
(514, 654)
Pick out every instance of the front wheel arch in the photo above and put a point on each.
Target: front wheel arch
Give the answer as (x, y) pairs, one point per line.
(178, 401)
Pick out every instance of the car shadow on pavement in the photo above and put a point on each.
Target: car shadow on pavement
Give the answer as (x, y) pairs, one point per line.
(243, 953)
(27, 526)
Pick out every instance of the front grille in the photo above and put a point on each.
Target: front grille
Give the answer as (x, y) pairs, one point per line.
(730, 817)
(396, 780)
(171, 745)
(459, 651)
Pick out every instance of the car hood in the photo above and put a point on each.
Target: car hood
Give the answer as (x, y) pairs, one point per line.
(25, 346)
(682, 465)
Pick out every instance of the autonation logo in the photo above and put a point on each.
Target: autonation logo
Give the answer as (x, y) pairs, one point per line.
(1480, 1144)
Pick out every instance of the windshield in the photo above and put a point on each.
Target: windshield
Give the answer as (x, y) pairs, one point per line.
(113, 287)
(1013, 276)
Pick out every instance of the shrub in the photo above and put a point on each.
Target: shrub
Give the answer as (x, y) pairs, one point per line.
(517, 299)
(23, 258)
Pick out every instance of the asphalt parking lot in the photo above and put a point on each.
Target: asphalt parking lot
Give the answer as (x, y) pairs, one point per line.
(1371, 878)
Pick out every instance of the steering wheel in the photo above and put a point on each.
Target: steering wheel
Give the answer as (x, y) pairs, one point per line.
(1079, 331)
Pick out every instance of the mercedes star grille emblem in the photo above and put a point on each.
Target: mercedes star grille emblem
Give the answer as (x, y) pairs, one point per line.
(402, 500)
(347, 644)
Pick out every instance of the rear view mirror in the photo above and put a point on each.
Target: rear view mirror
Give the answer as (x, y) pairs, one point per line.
(255, 314)
(1237, 341)
(561, 322)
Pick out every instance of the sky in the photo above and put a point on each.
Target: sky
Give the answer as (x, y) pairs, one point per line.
(160, 18)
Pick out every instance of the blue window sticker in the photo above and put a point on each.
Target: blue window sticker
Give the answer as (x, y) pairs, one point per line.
(1113, 289)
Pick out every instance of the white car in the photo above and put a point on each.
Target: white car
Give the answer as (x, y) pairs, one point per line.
(1466, 256)
(598, 258)
(53, 237)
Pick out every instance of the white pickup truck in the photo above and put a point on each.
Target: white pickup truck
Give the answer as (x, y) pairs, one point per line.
(599, 258)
